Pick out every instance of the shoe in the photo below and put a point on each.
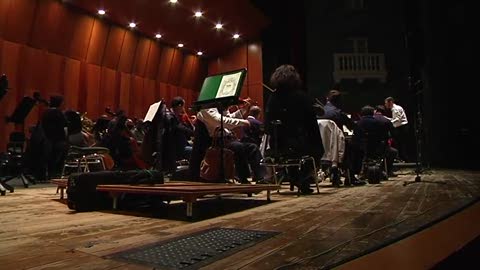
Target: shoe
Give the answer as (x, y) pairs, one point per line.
(262, 181)
(337, 183)
(306, 190)
(357, 182)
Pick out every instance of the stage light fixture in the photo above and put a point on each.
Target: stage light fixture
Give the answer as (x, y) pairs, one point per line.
(173, 1)
(198, 14)
(235, 36)
(132, 25)
(199, 53)
(158, 36)
(180, 45)
(218, 26)
(101, 12)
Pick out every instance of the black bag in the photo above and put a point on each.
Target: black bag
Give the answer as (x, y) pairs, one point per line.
(374, 173)
(81, 188)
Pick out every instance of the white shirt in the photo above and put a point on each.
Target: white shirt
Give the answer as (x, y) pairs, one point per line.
(211, 119)
(399, 118)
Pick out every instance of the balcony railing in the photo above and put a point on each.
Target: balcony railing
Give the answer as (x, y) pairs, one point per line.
(359, 66)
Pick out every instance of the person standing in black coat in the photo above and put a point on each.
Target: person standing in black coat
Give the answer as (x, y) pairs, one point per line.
(291, 122)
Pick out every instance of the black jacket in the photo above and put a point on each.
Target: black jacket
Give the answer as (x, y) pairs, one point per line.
(370, 134)
(298, 134)
(338, 116)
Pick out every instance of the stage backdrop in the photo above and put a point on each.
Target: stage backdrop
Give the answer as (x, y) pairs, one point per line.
(52, 48)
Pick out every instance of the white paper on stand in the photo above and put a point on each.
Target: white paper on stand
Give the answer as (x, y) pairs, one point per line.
(152, 111)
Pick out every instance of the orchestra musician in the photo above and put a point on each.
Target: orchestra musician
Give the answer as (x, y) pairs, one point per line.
(297, 134)
(183, 129)
(246, 154)
(123, 147)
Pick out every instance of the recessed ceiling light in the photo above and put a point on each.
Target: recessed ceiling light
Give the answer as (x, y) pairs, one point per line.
(180, 45)
(218, 26)
(101, 12)
(199, 53)
(198, 14)
(235, 36)
(158, 36)
(173, 1)
(132, 25)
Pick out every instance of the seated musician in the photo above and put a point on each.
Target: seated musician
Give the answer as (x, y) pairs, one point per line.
(183, 129)
(392, 153)
(253, 133)
(123, 147)
(370, 138)
(333, 111)
(298, 134)
(245, 153)
(76, 136)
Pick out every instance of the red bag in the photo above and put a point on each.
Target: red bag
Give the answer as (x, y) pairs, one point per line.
(210, 165)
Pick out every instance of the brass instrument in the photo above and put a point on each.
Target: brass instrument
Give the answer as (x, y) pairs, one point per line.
(87, 123)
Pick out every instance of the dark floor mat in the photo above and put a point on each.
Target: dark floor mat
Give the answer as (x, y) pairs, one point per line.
(195, 250)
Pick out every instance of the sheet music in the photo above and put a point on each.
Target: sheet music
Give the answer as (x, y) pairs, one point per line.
(152, 111)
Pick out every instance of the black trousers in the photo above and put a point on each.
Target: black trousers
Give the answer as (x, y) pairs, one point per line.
(247, 154)
(400, 138)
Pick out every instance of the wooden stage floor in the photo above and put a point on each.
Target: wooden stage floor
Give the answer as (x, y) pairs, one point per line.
(38, 231)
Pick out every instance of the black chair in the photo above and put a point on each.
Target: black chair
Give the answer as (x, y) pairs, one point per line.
(374, 163)
(13, 163)
(280, 161)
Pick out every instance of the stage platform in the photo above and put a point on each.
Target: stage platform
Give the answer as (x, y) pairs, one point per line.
(330, 229)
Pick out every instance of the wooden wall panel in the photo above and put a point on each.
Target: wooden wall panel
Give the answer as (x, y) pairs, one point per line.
(149, 95)
(21, 14)
(125, 86)
(9, 61)
(92, 82)
(81, 37)
(255, 69)
(176, 68)
(64, 31)
(165, 64)
(97, 42)
(71, 84)
(107, 90)
(136, 96)
(52, 48)
(44, 28)
(4, 9)
(141, 56)
(214, 66)
(161, 90)
(129, 46)
(186, 71)
(114, 47)
(53, 70)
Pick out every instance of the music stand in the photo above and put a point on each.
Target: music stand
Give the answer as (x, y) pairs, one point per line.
(221, 91)
(18, 117)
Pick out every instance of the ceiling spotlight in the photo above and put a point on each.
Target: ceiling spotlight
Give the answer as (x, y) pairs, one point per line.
(173, 1)
(158, 36)
(198, 14)
(218, 26)
(236, 36)
(199, 53)
(180, 45)
(101, 12)
(132, 25)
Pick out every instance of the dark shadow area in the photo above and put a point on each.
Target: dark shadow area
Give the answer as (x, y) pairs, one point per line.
(207, 208)
(466, 258)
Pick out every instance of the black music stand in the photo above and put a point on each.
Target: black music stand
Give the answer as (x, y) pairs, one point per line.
(221, 91)
(18, 117)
